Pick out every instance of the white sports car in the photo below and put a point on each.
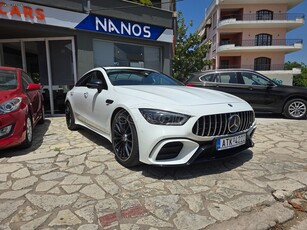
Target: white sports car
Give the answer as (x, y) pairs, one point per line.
(154, 119)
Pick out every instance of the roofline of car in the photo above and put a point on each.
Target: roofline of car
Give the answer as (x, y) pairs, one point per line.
(219, 70)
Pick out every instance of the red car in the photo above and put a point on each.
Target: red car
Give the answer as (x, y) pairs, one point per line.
(21, 107)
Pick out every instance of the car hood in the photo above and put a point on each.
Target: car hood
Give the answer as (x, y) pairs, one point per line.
(176, 95)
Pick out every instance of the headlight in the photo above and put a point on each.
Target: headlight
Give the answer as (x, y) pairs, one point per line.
(161, 117)
(10, 105)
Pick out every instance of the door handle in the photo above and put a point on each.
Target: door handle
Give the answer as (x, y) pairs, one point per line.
(85, 95)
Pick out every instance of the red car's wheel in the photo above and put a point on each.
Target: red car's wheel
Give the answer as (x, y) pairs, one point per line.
(29, 133)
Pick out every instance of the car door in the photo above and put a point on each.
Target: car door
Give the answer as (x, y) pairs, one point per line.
(33, 96)
(99, 105)
(263, 95)
(80, 98)
(231, 82)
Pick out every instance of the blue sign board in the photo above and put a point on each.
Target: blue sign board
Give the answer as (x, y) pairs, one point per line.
(120, 27)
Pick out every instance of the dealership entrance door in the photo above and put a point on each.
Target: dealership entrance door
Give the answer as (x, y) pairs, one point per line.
(50, 62)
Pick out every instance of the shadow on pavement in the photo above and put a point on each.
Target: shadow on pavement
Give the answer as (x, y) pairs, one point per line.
(178, 172)
(96, 138)
(270, 116)
(38, 137)
(195, 170)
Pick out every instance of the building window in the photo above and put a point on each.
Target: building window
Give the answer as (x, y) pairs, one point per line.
(214, 19)
(224, 64)
(225, 41)
(121, 54)
(264, 15)
(262, 63)
(263, 40)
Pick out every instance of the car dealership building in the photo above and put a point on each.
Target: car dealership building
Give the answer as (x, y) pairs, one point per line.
(57, 41)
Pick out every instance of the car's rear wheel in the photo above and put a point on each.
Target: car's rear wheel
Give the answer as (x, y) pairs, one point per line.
(296, 109)
(29, 133)
(70, 118)
(125, 139)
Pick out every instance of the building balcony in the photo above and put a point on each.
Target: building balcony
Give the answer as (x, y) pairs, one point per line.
(261, 67)
(239, 21)
(254, 45)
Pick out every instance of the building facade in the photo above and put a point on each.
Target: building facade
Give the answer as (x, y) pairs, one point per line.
(57, 41)
(252, 34)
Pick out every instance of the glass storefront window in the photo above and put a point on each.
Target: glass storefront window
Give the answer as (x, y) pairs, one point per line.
(121, 54)
(62, 72)
(11, 54)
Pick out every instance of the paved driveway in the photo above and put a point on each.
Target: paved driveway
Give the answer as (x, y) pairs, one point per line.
(70, 180)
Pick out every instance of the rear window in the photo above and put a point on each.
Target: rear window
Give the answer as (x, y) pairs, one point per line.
(8, 80)
(208, 77)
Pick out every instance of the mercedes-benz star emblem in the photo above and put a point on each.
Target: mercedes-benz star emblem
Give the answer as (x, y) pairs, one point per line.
(234, 123)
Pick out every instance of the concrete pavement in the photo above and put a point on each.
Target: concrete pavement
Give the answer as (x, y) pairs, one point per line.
(70, 180)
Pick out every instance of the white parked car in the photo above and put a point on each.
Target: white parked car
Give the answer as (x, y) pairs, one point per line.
(154, 119)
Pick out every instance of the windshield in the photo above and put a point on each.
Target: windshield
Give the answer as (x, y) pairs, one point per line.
(8, 80)
(139, 77)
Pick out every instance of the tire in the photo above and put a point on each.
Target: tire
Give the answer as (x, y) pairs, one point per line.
(42, 119)
(70, 118)
(125, 140)
(296, 109)
(29, 133)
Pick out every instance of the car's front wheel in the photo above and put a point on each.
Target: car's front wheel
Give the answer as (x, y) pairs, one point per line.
(125, 139)
(29, 133)
(296, 109)
(70, 118)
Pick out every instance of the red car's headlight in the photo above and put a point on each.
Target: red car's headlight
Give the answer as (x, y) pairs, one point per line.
(10, 105)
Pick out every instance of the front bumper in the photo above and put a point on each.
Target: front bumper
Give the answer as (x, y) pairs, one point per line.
(179, 152)
(17, 134)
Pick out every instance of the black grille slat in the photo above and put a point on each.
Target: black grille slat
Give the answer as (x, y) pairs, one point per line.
(217, 124)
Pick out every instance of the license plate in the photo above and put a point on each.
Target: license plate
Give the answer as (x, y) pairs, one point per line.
(230, 142)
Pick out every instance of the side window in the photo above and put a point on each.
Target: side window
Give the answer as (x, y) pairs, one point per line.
(85, 79)
(228, 78)
(208, 77)
(26, 80)
(254, 79)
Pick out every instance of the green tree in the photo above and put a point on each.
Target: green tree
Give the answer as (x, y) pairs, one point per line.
(189, 53)
(300, 79)
(145, 2)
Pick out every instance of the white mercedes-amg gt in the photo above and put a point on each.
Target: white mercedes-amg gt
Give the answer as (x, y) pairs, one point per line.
(152, 118)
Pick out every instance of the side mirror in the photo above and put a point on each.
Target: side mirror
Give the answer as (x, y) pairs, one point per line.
(96, 84)
(33, 86)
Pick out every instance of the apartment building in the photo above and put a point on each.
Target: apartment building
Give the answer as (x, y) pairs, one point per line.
(57, 41)
(251, 34)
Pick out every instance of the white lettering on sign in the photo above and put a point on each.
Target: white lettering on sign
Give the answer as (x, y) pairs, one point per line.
(128, 28)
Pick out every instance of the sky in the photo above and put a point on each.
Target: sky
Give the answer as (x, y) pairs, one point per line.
(195, 10)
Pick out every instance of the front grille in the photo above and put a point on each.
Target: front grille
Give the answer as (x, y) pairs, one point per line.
(217, 124)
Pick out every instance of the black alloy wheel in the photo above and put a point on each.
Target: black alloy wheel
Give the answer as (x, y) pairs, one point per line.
(125, 140)
(70, 119)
